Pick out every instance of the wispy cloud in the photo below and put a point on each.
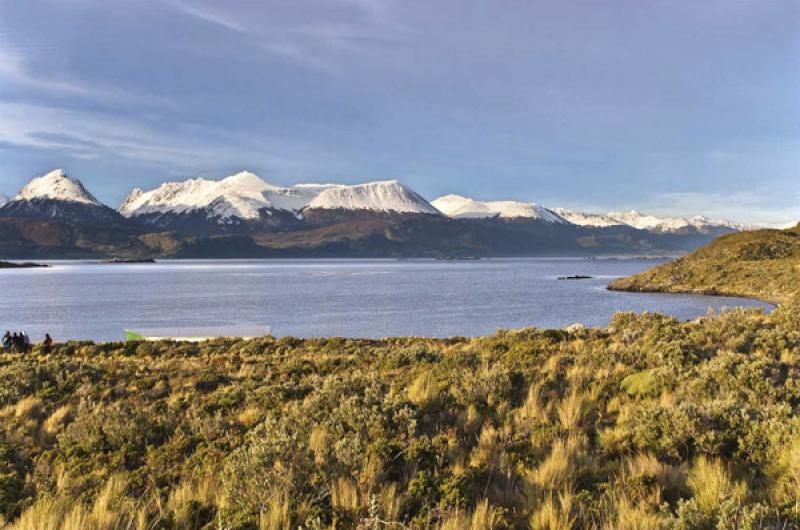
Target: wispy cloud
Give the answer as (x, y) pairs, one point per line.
(14, 70)
(210, 15)
(195, 150)
(309, 42)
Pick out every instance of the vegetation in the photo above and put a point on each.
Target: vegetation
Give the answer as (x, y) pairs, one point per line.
(650, 423)
(761, 264)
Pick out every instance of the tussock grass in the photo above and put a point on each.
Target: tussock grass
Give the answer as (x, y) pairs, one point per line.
(58, 419)
(563, 466)
(554, 513)
(29, 408)
(424, 391)
(711, 483)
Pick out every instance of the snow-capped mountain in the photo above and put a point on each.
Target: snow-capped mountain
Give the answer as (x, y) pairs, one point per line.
(654, 223)
(3, 199)
(58, 186)
(382, 196)
(243, 196)
(244, 216)
(58, 197)
(587, 219)
(460, 207)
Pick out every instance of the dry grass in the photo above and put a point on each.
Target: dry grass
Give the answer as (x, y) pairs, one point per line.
(562, 467)
(185, 496)
(424, 391)
(249, 417)
(344, 495)
(533, 409)
(634, 517)
(277, 516)
(555, 513)
(784, 472)
(484, 517)
(669, 480)
(391, 502)
(45, 514)
(487, 453)
(572, 410)
(108, 507)
(29, 408)
(318, 443)
(711, 482)
(58, 419)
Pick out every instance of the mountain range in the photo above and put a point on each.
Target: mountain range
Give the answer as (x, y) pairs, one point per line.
(242, 215)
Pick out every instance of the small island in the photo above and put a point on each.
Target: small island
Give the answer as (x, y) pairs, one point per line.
(23, 265)
(575, 277)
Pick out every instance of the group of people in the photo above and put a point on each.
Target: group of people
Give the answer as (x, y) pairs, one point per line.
(21, 342)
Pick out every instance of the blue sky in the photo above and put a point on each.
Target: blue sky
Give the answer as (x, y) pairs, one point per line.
(675, 107)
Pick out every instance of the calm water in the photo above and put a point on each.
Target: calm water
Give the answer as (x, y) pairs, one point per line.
(370, 298)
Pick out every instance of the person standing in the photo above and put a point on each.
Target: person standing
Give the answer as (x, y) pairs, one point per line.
(26, 342)
(8, 342)
(48, 343)
(16, 343)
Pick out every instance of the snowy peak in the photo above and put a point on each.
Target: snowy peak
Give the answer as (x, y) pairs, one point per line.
(384, 196)
(654, 223)
(639, 220)
(241, 195)
(3, 199)
(244, 195)
(587, 219)
(458, 206)
(57, 186)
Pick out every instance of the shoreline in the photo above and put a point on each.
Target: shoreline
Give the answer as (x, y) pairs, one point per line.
(567, 329)
(702, 292)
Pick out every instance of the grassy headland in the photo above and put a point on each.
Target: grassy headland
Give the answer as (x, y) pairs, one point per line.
(763, 264)
(650, 423)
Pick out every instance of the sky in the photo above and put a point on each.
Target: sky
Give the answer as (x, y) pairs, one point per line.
(671, 107)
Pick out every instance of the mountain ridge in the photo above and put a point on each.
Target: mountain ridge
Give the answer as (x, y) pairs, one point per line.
(243, 215)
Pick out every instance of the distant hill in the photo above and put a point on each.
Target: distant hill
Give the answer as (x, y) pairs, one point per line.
(762, 264)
